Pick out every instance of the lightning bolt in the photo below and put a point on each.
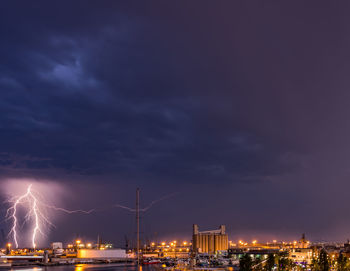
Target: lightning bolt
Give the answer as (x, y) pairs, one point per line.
(69, 211)
(125, 207)
(146, 208)
(14, 215)
(156, 201)
(35, 213)
(37, 227)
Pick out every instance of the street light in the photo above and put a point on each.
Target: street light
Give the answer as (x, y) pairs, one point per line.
(8, 245)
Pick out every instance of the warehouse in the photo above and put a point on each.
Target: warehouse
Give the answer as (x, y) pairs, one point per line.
(102, 254)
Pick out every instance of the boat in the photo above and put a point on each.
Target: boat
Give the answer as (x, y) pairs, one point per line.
(151, 261)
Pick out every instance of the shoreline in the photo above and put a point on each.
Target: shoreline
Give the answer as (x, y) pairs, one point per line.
(65, 262)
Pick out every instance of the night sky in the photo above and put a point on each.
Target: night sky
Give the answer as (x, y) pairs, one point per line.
(232, 112)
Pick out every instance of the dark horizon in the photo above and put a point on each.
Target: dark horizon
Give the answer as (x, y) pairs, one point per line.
(237, 110)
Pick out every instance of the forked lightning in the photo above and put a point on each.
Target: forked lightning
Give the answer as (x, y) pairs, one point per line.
(35, 213)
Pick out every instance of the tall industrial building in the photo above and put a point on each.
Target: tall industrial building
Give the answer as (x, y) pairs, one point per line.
(209, 241)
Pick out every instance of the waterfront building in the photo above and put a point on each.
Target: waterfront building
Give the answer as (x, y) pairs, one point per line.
(258, 252)
(102, 254)
(301, 255)
(209, 241)
(173, 249)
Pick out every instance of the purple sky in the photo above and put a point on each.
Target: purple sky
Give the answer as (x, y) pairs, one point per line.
(239, 108)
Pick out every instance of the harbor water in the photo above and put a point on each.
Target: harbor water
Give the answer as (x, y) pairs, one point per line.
(85, 267)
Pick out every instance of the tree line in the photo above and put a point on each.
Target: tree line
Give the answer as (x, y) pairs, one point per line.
(281, 262)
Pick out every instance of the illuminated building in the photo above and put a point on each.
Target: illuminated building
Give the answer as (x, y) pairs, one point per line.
(303, 243)
(173, 249)
(102, 254)
(301, 255)
(209, 241)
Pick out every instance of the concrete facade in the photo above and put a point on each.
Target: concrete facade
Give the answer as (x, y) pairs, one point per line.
(209, 241)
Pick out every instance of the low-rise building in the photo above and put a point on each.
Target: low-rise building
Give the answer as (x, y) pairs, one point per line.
(301, 255)
(102, 254)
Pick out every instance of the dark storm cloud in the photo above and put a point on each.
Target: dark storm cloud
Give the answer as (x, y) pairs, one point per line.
(224, 96)
(114, 99)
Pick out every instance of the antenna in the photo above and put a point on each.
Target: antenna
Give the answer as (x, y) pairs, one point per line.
(138, 226)
(126, 242)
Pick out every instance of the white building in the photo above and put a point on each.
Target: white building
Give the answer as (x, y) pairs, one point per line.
(102, 254)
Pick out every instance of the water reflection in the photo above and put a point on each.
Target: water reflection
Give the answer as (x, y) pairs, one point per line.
(87, 267)
(110, 267)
